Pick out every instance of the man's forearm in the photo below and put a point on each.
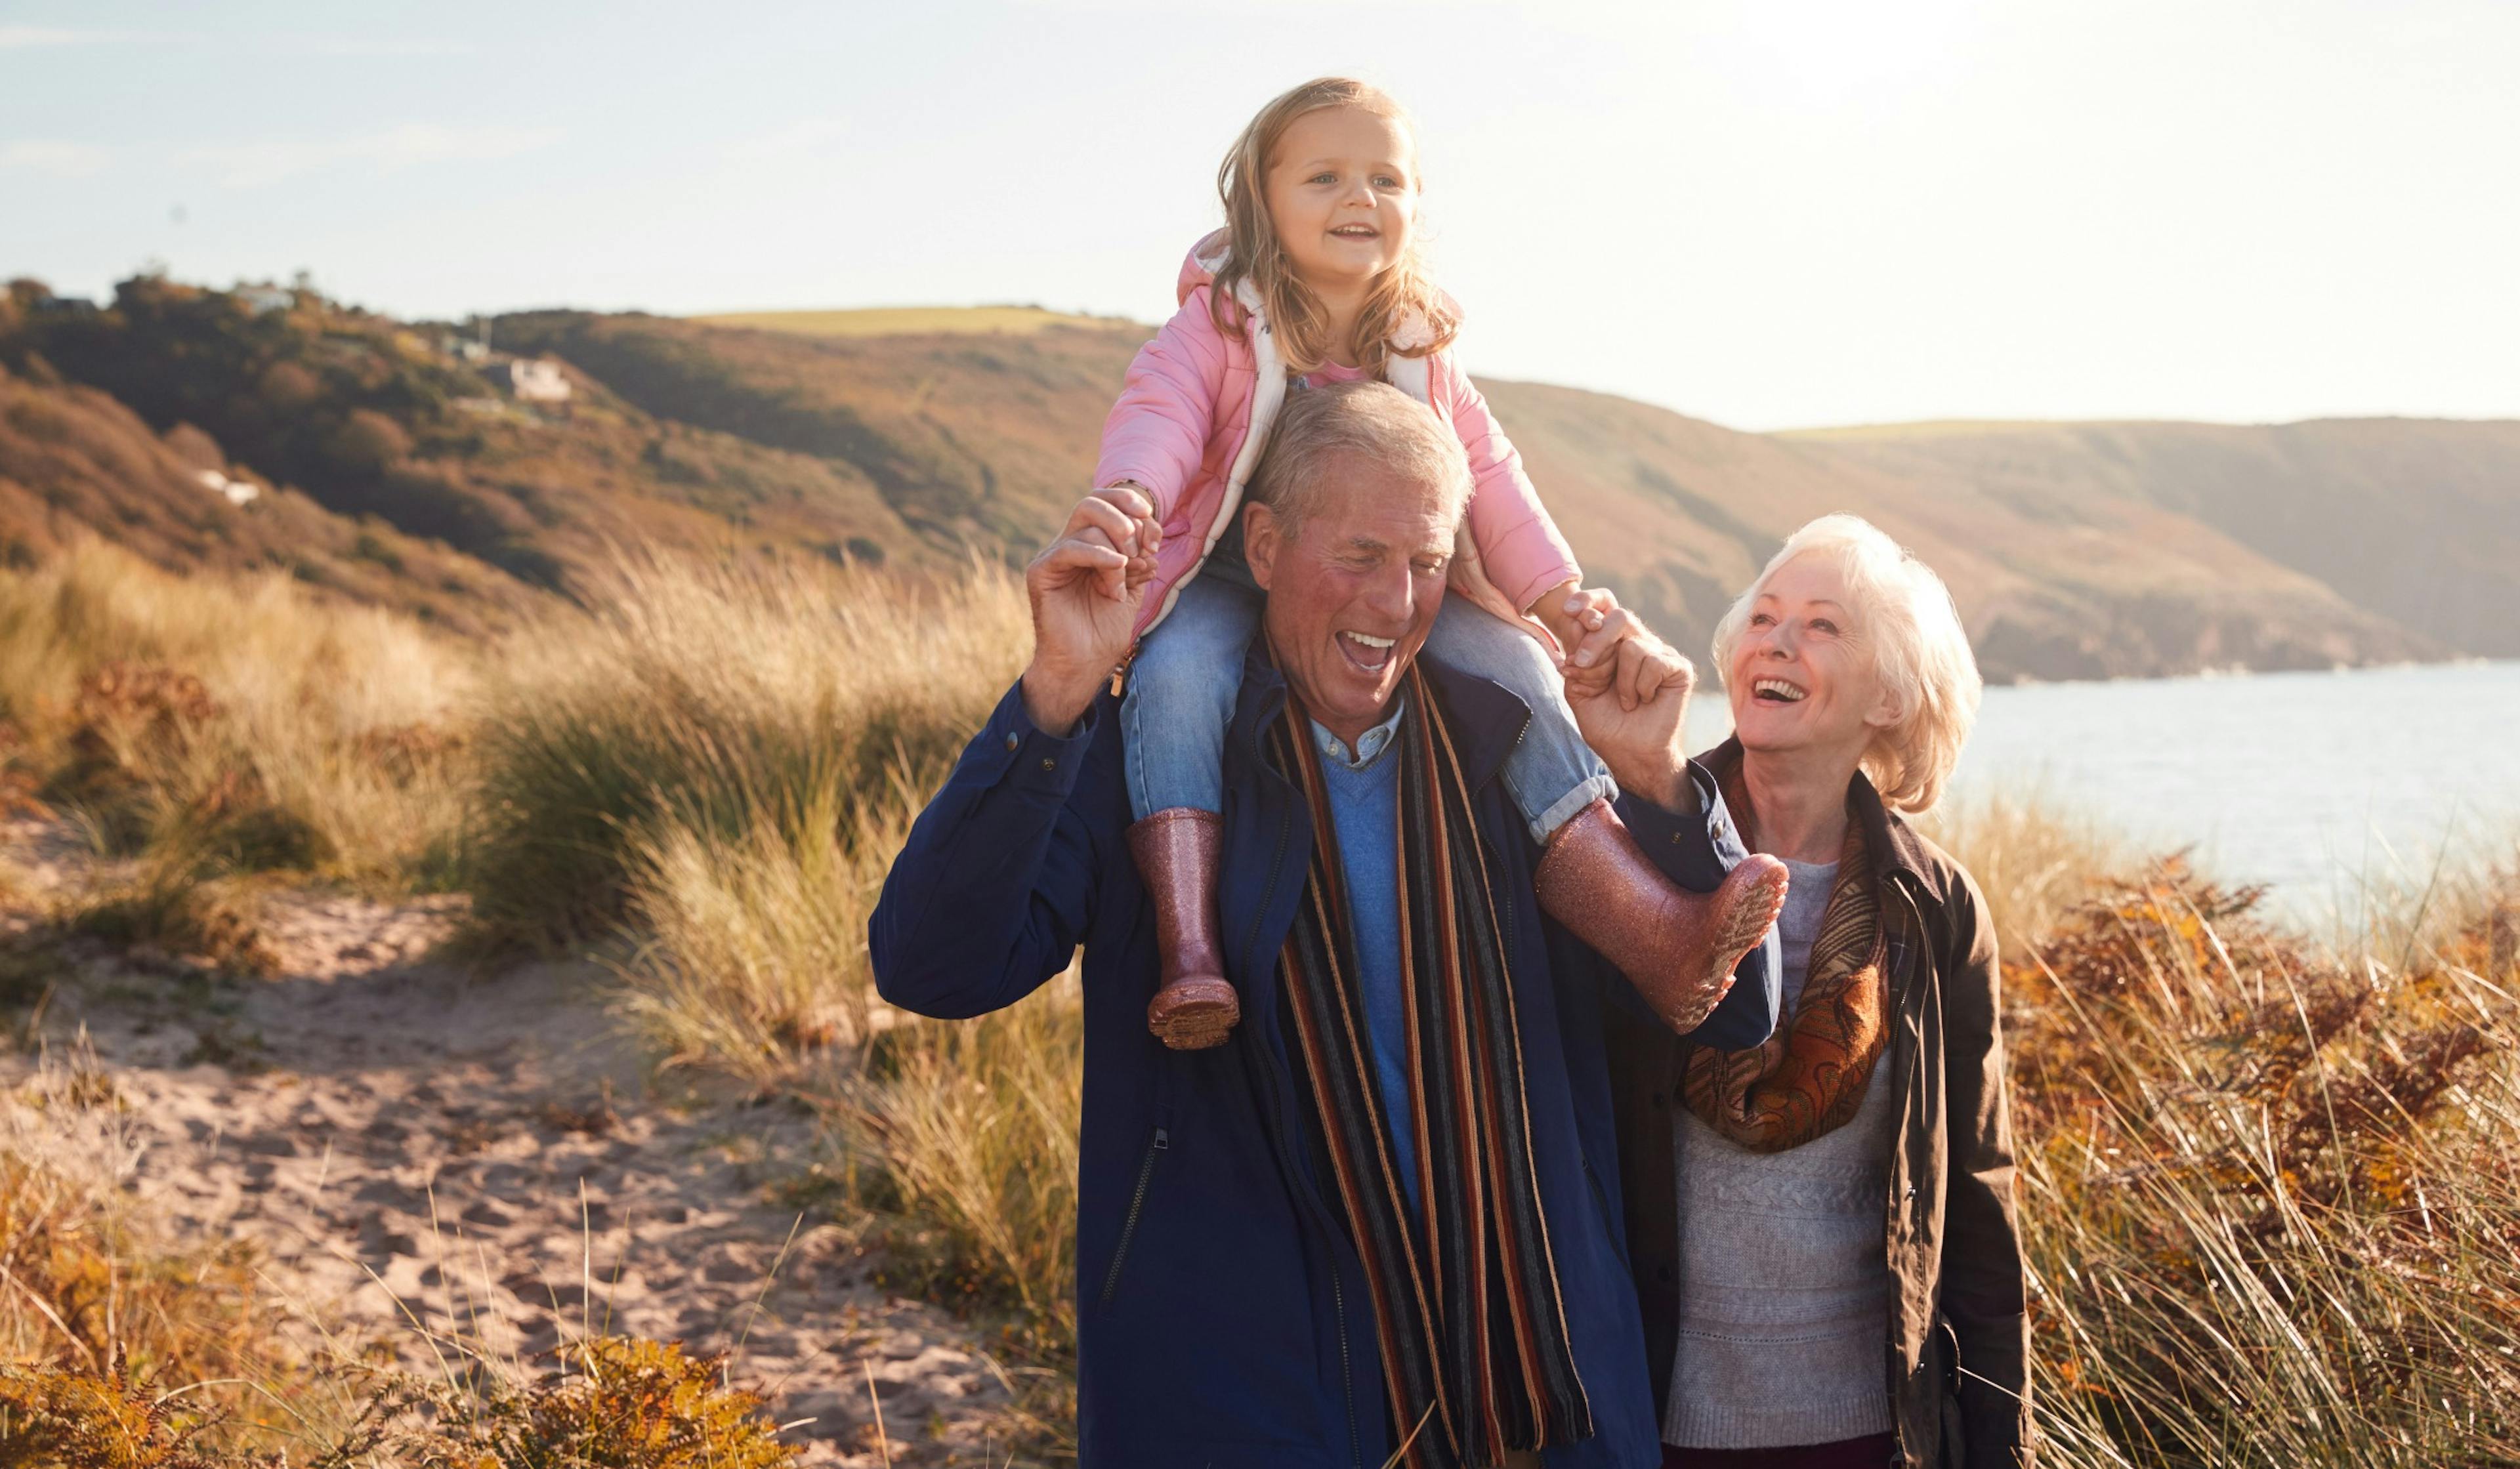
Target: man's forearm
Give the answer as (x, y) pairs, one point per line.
(1664, 782)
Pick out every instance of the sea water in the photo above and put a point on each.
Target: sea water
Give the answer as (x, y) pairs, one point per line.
(2314, 784)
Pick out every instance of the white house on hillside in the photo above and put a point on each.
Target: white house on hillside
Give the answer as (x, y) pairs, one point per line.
(530, 380)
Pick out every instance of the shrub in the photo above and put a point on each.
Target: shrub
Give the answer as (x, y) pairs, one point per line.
(95, 1284)
(629, 1404)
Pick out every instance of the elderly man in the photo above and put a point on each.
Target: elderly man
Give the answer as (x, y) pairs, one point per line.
(1384, 1217)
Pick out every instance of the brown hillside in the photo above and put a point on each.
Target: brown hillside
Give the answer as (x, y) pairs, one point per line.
(986, 438)
(2075, 550)
(75, 463)
(969, 438)
(1680, 514)
(2417, 520)
(375, 419)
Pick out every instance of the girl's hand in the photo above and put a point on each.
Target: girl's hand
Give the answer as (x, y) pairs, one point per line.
(1144, 535)
(1566, 609)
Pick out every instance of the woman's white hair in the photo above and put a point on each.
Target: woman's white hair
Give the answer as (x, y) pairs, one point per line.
(1921, 652)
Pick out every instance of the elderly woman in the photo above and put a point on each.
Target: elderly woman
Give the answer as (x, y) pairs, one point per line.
(1822, 1228)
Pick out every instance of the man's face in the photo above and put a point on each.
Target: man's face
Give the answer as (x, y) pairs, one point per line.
(1353, 593)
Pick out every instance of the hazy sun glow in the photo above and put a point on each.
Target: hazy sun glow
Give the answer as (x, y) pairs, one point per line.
(1768, 213)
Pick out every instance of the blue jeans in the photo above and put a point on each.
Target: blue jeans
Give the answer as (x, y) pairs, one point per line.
(1189, 671)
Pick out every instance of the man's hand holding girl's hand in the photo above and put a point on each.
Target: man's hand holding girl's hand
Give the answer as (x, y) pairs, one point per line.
(1608, 650)
(1145, 535)
(1085, 589)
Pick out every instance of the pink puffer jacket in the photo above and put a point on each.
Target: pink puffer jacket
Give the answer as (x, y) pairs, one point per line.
(1197, 408)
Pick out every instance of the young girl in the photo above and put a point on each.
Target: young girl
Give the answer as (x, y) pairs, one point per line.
(1317, 278)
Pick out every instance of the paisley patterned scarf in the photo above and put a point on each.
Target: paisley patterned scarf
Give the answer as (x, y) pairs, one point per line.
(1476, 1357)
(1809, 1078)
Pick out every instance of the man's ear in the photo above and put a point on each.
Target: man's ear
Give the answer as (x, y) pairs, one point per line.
(1260, 542)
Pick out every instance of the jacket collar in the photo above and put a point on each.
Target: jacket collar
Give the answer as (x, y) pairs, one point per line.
(1893, 845)
(1486, 719)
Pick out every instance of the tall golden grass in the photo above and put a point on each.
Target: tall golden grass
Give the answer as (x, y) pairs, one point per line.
(229, 725)
(2266, 1182)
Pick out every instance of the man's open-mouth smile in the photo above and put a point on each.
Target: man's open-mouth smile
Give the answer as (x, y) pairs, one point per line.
(1365, 652)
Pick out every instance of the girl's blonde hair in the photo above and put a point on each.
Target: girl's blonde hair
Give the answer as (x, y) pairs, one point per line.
(1252, 253)
(1921, 652)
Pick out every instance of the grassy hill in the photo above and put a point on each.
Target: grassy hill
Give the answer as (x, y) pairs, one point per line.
(916, 437)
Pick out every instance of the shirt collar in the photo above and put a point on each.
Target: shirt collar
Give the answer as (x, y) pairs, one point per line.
(1370, 746)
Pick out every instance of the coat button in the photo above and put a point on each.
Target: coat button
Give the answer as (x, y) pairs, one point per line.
(1662, 1273)
(1047, 764)
(1661, 1101)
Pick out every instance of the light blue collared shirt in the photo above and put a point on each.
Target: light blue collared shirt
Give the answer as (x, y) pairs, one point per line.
(1370, 746)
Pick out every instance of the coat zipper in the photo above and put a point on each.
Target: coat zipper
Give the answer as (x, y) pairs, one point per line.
(1347, 1373)
(1137, 1203)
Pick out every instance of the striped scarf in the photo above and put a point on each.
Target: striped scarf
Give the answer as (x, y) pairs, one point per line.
(1474, 1345)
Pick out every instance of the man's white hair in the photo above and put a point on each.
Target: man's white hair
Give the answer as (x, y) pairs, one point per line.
(1365, 419)
(1921, 652)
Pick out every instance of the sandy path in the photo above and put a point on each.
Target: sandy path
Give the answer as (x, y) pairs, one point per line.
(411, 1147)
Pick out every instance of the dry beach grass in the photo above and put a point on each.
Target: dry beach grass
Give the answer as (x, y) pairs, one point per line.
(2265, 1180)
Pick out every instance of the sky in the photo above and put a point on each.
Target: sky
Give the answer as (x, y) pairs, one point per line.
(1770, 213)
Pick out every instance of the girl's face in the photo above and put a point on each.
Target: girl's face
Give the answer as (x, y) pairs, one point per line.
(1802, 677)
(1342, 192)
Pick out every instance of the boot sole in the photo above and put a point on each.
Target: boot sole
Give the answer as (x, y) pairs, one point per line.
(1193, 1015)
(1754, 911)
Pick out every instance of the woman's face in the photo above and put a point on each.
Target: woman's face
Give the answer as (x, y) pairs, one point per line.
(1802, 677)
(1343, 192)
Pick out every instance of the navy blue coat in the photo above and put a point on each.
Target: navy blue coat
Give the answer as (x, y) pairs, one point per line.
(1221, 1314)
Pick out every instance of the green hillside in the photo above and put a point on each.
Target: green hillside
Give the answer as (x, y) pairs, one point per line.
(918, 438)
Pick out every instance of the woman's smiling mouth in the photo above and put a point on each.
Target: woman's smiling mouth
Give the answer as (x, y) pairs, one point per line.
(1775, 691)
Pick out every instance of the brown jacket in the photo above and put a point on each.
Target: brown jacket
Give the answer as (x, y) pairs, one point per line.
(1959, 1338)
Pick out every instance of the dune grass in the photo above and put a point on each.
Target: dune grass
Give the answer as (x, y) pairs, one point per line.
(726, 703)
(231, 725)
